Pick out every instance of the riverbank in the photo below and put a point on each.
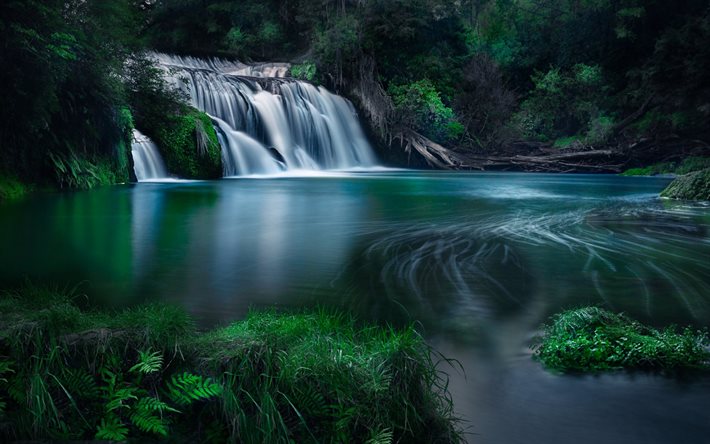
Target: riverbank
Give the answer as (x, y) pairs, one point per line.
(70, 373)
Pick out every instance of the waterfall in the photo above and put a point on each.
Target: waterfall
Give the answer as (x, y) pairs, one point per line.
(147, 163)
(267, 123)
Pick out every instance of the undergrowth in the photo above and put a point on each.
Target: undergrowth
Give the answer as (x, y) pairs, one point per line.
(67, 373)
(688, 165)
(11, 188)
(592, 339)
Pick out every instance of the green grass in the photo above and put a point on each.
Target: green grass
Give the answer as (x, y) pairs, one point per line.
(688, 165)
(591, 339)
(67, 373)
(566, 142)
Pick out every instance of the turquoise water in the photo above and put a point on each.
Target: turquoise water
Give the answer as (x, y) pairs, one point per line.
(478, 260)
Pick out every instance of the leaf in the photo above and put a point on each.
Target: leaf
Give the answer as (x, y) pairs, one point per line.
(111, 429)
(186, 388)
(384, 436)
(150, 404)
(148, 362)
(149, 423)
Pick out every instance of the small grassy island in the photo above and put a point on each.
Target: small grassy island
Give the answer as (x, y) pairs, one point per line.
(591, 339)
(147, 373)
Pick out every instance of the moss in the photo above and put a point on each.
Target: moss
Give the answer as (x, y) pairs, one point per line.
(273, 377)
(189, 144)
(692, 186)
(12, 189)
(688, 165)
(591, 339)
(567, 142)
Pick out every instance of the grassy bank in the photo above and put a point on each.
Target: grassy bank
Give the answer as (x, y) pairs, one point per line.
(688, 165)
(591, 339)
(147, 373)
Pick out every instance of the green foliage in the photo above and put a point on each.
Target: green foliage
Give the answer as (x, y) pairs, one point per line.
(148, 362)
(567, 142)
(11, 188)
(186, 388)
(591, 339)
(304, 71)
(688, 165)
(181, 137)
(564, 103)
(111, 430)
(419, 105)
(73, 171)
(692, 186)
(146, 373)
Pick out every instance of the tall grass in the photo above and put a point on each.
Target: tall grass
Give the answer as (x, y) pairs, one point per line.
(592, 339)
(147, 373)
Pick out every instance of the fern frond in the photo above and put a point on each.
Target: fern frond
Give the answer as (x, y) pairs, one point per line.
(147, 422)
(80, 383)
(384, 436)
(150, 404)
(111, 429)
(186, 388)
(310, 401)
(148, 362)
(5, 367)
(120, 397)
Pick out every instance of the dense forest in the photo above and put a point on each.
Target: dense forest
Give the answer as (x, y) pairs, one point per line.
(455, 80)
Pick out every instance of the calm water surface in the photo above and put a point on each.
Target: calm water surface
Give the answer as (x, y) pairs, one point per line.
(480, 260)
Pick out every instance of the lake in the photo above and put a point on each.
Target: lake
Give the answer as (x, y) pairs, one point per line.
(478, 260)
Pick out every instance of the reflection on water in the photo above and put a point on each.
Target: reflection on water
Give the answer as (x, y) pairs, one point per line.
(479, 260)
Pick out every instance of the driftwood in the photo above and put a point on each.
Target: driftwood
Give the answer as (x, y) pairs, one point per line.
(595, 160)
(435, 155)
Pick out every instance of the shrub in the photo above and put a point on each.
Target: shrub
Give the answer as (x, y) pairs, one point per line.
(419, 106)
(304, 71)
(591, 339)
(565, 102)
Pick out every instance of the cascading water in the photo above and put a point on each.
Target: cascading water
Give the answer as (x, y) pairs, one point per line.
(147, 163)
(268, 126)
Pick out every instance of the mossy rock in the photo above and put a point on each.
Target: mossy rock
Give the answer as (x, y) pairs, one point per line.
(693, 186)
(189, 145)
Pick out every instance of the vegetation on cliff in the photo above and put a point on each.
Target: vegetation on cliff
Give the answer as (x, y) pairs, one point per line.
(68, 373)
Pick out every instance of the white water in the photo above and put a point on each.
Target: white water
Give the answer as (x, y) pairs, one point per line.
(147, 163)
(267, 127)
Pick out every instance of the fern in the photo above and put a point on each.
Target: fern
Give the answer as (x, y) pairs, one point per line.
(80, 383)
(186, 388)
(384, 436)
(111, 429)
(150, 404)
(148, 362)
(310, 401)
(148, 422)
(5, 367)
(119, 398)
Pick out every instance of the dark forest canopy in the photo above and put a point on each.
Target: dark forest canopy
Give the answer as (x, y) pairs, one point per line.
(471, 75)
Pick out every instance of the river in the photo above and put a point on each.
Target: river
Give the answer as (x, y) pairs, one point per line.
(477, 260)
